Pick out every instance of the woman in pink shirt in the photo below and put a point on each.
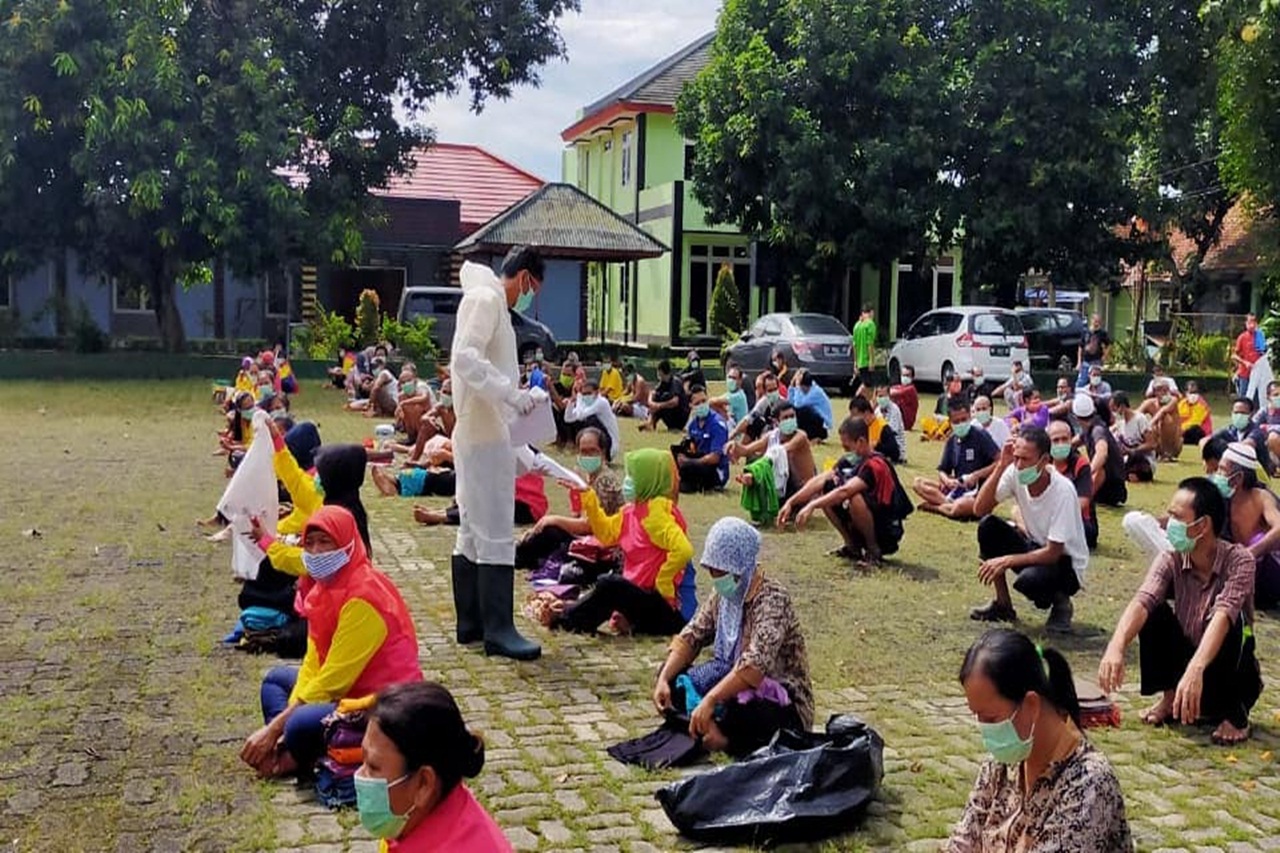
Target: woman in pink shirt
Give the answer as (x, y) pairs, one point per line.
(409, 791)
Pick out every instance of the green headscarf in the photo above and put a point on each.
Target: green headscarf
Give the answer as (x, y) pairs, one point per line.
(650, 471)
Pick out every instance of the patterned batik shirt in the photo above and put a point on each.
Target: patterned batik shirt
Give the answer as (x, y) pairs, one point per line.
(1076, 807)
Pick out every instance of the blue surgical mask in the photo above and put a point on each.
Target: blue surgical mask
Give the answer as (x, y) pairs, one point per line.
(408, 387)
(1239, 420)
(853, 458)
(590, 464)
(628, 489)
(1181, 541)
(523, 302)
(962, 430)
(773, 396)
(1223, 482)
(326, 564)
(788, 426)
(701, 410)
(446, 400)
(587, 400)
(731, 384)
(1095, 380)
(883, 402)
(373, 801)
(1027, 476)
(983, 417)
(726, 586)
(1002, 741)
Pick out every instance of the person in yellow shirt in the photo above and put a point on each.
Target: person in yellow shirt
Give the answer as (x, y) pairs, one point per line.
(360, 639)
(882, 437)
(1193, 415)
(610, 384)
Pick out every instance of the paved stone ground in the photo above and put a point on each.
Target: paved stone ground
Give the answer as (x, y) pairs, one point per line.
(120, 722)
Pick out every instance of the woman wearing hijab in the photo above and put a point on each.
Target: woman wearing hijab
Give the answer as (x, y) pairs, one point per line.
(360, 639)
(757, 682)
(339, 475)
(656, 552)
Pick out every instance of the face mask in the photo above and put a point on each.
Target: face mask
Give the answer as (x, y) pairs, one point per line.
(773, 396)
(882, 402)
(588, 400)
(628, 489)
(983, 418)
(1193, 398)
(590, 464)
(409, 387)
(725, 586)
(1002, 741)
(788, 426)
(1178, 537)
(373, 800)
(1239, 420)
(326, 564)
(247, 414)
(1095, 380)
(701, 410)
(1223, 482)
(523, 302)
(907, 380)
(446, 400)
(1275, 402)
(694, 364)
(566, 379)
(1027, 476)
(1064, 396)
(962, 430)
(279, 415)
(1166, 399)
(731, 384)
(853, 458)
(1060, 451)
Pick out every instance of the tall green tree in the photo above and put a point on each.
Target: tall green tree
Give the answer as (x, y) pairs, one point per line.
(1249, 98)
(248, 130)
(819, 126)
(1041, 160)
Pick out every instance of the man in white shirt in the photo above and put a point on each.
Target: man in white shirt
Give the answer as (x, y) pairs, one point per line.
(1137, 439)
(1048, 552)
(1015, 387)
(997, 428)
(591, 408)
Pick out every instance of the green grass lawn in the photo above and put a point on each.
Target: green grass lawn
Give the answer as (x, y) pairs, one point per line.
(120, 722)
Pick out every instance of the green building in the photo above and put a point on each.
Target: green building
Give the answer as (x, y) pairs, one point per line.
(625, 151)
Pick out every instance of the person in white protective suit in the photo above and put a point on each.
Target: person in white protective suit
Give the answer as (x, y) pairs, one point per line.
(486, 396)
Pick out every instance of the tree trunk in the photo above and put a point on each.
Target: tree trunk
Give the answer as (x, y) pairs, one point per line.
(220, 298)
(164, 292)
(61, 303)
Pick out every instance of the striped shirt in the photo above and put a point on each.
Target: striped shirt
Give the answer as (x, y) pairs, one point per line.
(1229, 588)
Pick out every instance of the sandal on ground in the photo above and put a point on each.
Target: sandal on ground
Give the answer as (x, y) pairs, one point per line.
(844, 552)
(994, 612)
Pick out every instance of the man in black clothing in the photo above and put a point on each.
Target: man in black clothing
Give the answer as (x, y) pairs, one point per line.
(886, 444)
(1106, 459)
(667, 402)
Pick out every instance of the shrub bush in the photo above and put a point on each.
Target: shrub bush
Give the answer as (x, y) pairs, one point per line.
(414, 340)
(368, 318)
(726, 317)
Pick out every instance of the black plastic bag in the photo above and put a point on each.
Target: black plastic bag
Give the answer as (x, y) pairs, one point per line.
(801, 787)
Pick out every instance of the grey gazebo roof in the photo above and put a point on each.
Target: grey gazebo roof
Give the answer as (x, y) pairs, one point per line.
(564, 222)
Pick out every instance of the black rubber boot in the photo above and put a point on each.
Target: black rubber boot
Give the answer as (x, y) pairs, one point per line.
(466, 600)
(497, 598)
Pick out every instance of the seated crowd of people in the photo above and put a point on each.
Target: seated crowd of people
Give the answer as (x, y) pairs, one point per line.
(622, 559)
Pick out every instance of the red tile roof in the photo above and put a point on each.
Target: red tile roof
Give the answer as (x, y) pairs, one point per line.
(1238, 250)
(485, 185)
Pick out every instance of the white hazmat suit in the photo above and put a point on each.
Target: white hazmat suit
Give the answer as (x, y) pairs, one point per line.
(486, 394)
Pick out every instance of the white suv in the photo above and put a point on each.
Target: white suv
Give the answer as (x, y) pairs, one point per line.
(950, 340)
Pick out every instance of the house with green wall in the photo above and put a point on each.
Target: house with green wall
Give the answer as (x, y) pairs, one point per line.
(625, 151)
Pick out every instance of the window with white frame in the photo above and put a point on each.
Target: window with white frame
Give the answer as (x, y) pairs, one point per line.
(275, 286)
(130, 297)
(704, 264)
(626, 158)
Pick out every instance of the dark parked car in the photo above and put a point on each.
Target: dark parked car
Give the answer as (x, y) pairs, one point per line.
(533, 340)
(817, 342)
(1054, 335)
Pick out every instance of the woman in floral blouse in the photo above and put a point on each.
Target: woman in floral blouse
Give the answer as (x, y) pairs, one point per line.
(1045, 789)
(757, 682)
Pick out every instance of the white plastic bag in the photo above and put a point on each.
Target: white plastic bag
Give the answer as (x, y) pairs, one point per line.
(538, 427)
(252, 493)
